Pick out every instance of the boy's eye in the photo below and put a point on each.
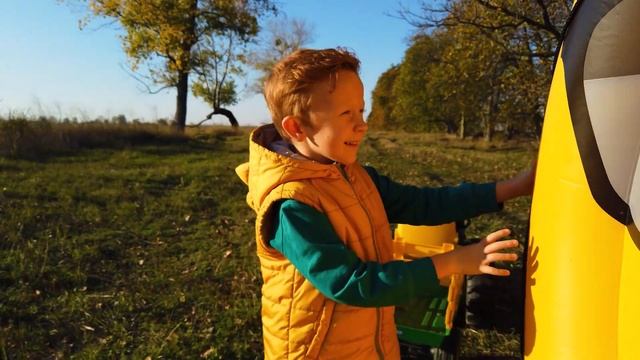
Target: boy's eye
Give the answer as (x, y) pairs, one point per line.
(348, 112)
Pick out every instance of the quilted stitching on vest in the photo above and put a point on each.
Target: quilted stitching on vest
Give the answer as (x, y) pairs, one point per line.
(298, 321)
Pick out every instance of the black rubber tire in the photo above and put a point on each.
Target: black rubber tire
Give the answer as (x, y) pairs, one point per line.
(414, 352)
(440, 354)
(449, 348)
(494, 302)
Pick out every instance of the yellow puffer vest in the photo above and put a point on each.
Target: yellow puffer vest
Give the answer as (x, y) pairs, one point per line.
(297, 320)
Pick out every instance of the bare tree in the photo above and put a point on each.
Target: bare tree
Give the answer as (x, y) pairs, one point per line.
(280, 38)
(218, 61)
(534, 27)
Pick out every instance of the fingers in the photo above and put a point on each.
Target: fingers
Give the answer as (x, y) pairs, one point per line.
(501, 257)
(500, 245)
(486, 269)
(493, 254)
(494, 236)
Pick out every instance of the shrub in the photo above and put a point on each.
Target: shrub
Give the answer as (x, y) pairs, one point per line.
(34, 139)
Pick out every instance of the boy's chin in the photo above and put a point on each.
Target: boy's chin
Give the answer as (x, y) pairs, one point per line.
(348, 161)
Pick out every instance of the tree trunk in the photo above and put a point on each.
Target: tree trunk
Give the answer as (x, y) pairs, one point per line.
(509, 128)
(493, 111)
(184, 68)
(181, 100)
(537, 123)
(461, 127)
(228, 114)
(488, 128)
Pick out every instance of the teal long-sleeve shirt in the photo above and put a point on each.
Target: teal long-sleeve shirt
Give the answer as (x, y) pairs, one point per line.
(307, 239)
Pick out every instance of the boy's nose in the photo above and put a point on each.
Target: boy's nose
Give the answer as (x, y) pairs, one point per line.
(361, 125)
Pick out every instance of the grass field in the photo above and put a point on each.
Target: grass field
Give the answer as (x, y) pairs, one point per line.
(147, 251)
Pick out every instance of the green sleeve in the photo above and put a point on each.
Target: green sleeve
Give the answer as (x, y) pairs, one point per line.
(406, 204)
(305, 237)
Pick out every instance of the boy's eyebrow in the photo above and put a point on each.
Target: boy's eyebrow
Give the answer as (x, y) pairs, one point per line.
(346, 109)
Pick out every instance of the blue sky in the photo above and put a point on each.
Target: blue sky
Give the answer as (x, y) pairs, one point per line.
(49, 66)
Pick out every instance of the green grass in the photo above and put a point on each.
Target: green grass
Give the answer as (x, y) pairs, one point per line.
(148, 250)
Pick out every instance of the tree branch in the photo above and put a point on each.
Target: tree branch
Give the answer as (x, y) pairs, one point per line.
(536, 24)
(142, 82)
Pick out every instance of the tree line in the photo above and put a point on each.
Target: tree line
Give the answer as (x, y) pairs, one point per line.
(473, 68)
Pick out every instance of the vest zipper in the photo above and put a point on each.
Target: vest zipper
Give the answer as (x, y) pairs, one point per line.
(375, 247)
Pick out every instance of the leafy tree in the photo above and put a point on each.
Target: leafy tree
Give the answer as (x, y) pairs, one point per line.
(450, 80)
(456, 85)
(524, 36)
(119, 119)
(474, 66)
(383, 101)
(402, 93)
(409, 88)
(169, 39)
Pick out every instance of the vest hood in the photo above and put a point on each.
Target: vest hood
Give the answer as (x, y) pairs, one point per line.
(267, 169)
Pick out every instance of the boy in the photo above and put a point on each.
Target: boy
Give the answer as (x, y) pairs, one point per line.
(322, 227)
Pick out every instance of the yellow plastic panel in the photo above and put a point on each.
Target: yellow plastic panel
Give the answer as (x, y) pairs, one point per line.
(629, 313)
(427, 235)
(416, 242)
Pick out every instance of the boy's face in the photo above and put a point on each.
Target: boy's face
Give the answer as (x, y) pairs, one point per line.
(336, 121)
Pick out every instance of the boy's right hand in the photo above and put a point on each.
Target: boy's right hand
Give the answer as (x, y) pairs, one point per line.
(477, 258)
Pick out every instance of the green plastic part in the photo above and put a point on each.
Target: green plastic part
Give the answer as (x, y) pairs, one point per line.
(422, 321)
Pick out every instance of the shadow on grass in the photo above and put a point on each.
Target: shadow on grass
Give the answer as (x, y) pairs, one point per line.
(155, 147)
(490, 148)
(9, 167)
(178, 148)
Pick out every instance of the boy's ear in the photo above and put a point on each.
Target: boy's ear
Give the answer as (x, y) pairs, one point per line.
(292, 126)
